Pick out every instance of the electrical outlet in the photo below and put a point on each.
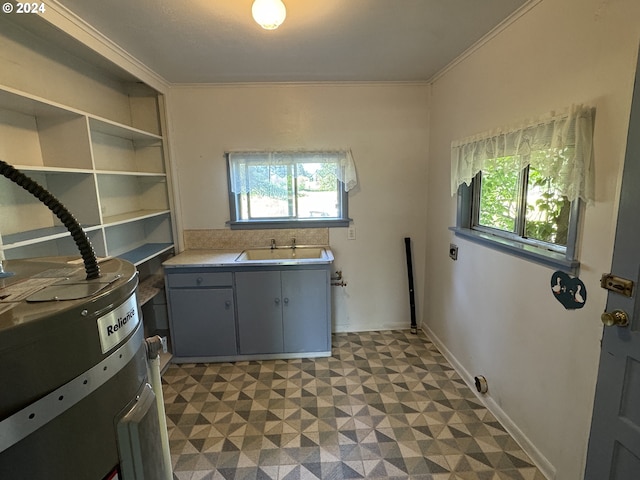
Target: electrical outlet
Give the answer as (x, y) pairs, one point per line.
(351, 233)
(453, 251)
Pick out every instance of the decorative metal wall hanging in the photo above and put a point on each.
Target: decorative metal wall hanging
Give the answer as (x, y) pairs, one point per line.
(568, 290)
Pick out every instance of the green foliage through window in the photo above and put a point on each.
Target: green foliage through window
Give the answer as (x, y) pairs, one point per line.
(521, 202)
(499, 194)
(547, 214)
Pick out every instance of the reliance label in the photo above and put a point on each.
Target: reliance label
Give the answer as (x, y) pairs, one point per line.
(116, 325)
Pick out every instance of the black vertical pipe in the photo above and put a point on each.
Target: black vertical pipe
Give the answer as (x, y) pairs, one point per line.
(412, 298)
(91, 266)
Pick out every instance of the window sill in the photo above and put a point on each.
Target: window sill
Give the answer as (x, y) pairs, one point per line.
(306, 223)
(532, 253)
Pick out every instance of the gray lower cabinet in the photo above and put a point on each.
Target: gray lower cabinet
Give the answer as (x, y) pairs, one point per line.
(276, 311)
(259, 312)
(201, 309)
(283, 311)
(305, 311)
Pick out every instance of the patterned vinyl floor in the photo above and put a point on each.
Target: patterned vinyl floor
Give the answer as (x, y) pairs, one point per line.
(385, 405)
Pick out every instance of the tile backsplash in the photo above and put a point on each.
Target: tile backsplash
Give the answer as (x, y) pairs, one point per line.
(225, 239)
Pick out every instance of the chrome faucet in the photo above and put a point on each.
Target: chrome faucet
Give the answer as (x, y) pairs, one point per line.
(273, 243)
(293, 243)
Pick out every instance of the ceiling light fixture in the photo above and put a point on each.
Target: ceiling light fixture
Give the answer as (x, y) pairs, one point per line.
(269, 14)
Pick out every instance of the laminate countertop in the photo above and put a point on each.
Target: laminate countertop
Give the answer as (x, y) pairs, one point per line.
(227, 258)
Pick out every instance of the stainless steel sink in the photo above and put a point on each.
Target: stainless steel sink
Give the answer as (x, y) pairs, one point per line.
(299, 254)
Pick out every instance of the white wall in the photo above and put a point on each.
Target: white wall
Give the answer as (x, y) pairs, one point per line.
(492, 312)
(386, 128)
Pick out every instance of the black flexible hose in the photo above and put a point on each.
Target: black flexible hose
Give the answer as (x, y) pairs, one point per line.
(77, 233)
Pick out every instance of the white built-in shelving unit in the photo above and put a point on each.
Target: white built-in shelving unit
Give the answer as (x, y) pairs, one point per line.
(111, 176)
(94, 135)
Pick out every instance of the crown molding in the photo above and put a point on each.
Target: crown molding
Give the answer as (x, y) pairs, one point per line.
(507, 22)
(417, 83)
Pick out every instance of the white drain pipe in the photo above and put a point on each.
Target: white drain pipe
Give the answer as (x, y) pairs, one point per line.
(154, 345)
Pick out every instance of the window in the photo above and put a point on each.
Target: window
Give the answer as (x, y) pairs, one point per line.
(521, 203)
(520, 190)
(289, 189)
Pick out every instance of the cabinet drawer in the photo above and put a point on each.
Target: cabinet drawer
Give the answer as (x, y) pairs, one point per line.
(204, 279)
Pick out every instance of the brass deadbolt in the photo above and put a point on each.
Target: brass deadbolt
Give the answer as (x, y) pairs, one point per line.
(617, 317)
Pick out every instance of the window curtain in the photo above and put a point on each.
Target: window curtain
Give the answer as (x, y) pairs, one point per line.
(239, 161)
(559, 146)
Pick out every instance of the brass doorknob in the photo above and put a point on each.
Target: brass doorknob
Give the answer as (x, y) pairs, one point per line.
(617, 317)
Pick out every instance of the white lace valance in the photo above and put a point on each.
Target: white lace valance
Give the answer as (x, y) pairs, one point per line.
(559, 146)
(239, 161)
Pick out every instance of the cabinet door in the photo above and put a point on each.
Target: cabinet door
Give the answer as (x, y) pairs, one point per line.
(259, 312)
(305, 308)
(202, 322)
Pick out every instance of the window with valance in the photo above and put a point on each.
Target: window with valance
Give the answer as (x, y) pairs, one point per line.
(290, 188)
(520, 189)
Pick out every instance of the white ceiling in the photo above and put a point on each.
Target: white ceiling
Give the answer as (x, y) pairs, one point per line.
(217, 41)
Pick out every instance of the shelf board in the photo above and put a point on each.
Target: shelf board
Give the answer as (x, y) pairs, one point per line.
(128, 217)
(114, 129)
(131, 173)
(145, 252)
(149, 288)
(39, 235)
(46, 169)
(86, 171)
(27, 104)
(16, 101)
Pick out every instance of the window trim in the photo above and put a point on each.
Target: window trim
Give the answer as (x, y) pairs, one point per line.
(532, 250)
(236, 223)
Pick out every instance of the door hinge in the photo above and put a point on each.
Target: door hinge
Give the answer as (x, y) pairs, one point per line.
(616, 284)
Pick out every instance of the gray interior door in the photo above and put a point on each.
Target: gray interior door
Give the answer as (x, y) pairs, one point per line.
(614, 443)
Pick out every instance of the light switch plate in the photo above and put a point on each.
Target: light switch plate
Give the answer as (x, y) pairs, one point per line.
(351, 233)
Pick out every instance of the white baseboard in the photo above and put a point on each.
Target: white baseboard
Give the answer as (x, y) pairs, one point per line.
(545, 467)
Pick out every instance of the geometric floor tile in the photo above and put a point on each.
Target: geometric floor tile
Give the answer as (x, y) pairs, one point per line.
(385, 405)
